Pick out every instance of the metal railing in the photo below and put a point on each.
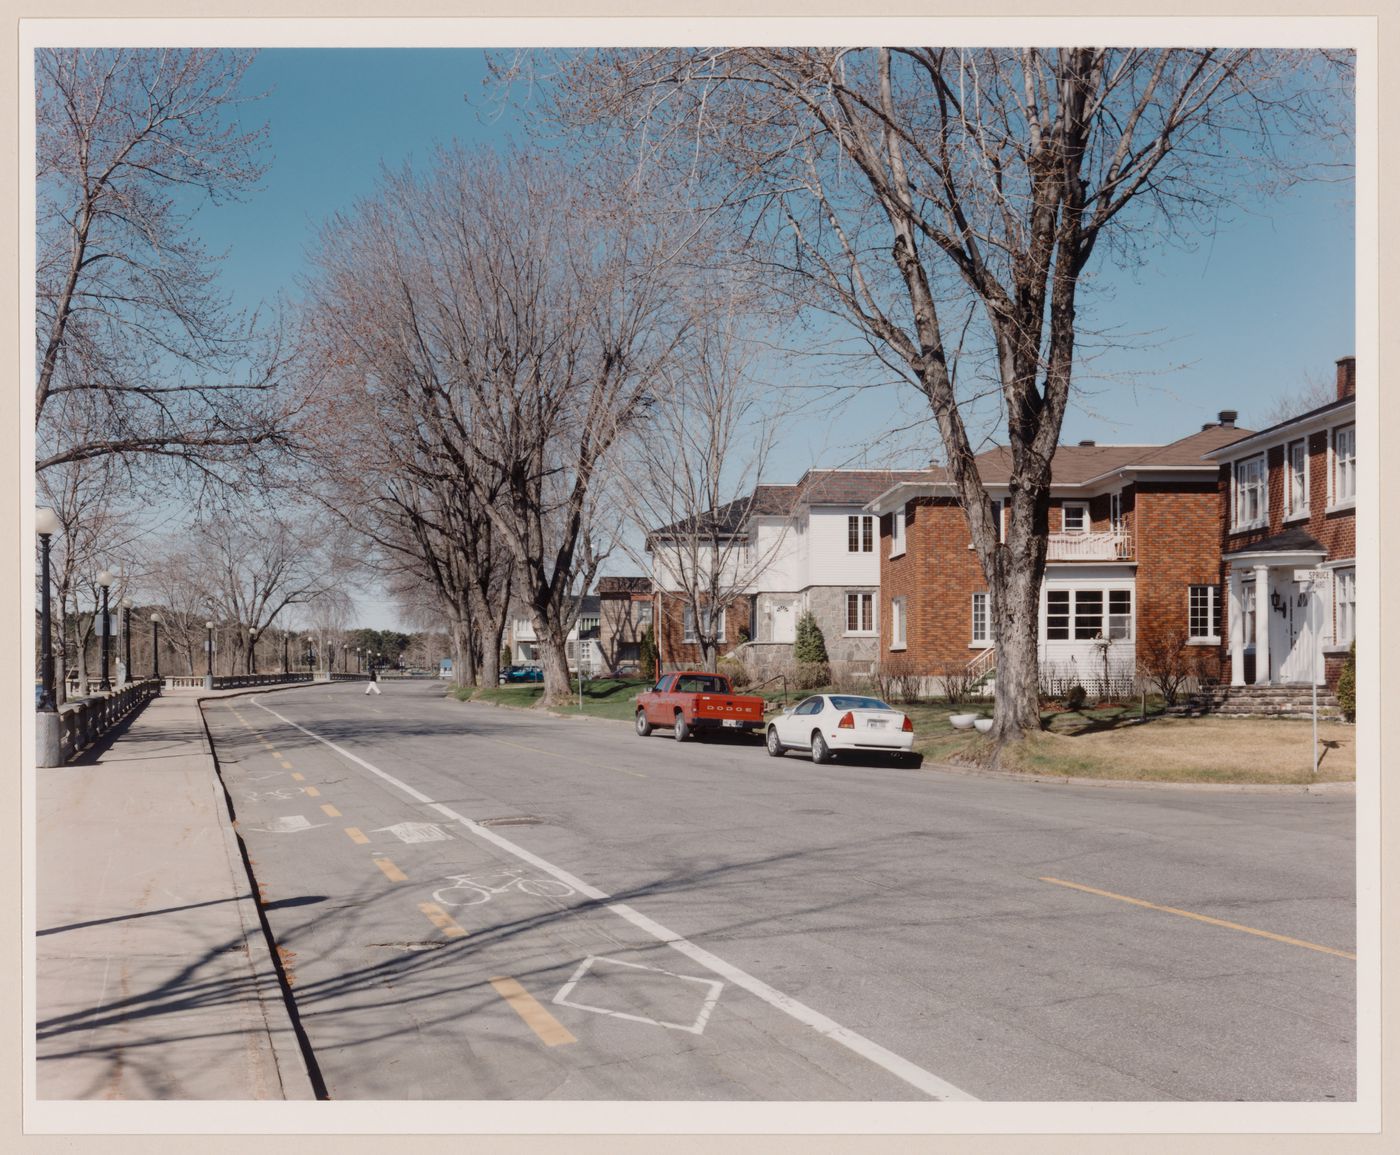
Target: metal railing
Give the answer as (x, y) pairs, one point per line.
(1106, 545)
(83, 722)
(235, 681)
(983, 664)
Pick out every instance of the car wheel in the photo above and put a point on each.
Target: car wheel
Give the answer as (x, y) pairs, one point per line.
(821, 752)
(775, 747)
(682, 731)
(643, 726)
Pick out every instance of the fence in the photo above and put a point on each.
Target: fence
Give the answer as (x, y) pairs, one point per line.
(234, 681)
(83, 722)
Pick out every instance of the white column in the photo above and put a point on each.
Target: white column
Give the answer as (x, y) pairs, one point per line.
(1262, 610)
(1236, 620)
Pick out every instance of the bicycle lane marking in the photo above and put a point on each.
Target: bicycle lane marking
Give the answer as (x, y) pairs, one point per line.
(898, 1066)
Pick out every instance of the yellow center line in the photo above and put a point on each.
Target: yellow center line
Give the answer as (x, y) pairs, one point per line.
(356, 835)
(391, 872)
(566, 757)
(330, 811)
(551, 1031)
(1202, 918)
(296, 777)
(311, 791)
(442, 920)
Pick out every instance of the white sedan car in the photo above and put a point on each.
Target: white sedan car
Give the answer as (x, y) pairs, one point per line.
(828, 723)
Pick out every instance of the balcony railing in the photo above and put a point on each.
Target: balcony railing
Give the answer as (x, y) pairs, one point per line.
(1106, 545)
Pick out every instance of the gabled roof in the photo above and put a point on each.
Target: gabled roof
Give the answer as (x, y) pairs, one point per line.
(1321, 412)
(815, 487)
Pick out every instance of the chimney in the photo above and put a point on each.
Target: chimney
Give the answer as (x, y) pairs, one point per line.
(1207, 425)
(1346, 377)
(1087, 443)
(1227, 418)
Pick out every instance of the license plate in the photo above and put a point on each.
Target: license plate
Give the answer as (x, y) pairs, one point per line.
(734, 722)
(876, 723)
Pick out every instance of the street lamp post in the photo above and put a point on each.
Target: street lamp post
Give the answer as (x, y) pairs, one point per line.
(104, 579)
(48, 747)
(126, 638)
(209, 650)
(155, 646)
(310, 656)
(252, 650)
(286, 669)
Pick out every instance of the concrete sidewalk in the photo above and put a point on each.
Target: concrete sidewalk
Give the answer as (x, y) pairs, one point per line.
(154, 978)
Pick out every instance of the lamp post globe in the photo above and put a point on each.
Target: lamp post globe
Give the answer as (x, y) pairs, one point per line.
(155, 646)
(104, 579)
(45, 525)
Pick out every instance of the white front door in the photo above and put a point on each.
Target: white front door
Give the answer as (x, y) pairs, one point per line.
(1292, 647)
(785, 622)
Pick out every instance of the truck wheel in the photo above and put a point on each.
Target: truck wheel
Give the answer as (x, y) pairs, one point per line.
(821, 752)
(682, 731)
(643, 726)
(775, 748)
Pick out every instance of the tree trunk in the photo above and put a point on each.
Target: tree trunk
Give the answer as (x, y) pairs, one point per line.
(554, 660)
(1016, 617)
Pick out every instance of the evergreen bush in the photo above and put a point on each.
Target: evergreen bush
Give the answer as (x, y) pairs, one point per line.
(1346, 685)
(647, 654)
(809, 653)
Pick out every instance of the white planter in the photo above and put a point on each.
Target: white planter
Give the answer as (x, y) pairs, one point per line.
(962, 721)
(983, 725)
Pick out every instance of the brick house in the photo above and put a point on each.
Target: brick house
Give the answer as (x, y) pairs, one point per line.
(1287, 500)
(1133, 563)
(810, 546)
(581, 644)
(626, 606)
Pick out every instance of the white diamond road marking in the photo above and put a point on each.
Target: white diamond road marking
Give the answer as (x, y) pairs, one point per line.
(695, 1028)
(292, 824)
(416, 832)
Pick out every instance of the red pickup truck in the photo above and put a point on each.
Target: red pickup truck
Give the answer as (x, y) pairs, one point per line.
(691, 702)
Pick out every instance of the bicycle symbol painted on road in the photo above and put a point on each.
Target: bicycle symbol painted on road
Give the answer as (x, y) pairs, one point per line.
(468, 891)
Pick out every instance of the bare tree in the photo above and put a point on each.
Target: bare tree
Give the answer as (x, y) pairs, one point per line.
(1314, 391)
(522, 319)
(692, 482)
(139, 356)
(894, 186)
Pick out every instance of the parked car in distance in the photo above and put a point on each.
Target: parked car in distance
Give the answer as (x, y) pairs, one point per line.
(521, 674)
(828, 723)
(691, 702)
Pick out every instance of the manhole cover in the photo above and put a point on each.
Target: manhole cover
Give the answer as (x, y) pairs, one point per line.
(513, 820)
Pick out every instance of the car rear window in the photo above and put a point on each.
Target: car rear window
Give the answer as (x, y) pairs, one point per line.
(701, 685)
(850, 702)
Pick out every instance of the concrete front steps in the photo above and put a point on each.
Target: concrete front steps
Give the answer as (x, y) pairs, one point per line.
(1263, 702)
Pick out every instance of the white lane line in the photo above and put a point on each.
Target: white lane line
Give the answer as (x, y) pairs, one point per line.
(896, 1065)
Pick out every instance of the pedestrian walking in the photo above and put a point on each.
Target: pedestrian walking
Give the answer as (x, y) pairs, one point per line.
(371, 688)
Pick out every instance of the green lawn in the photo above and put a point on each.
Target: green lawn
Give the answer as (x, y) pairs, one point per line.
(603, 698)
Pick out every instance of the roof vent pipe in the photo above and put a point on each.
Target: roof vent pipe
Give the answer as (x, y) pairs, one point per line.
(1227, 418)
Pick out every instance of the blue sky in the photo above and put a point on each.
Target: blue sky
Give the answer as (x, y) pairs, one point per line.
(1265, 303)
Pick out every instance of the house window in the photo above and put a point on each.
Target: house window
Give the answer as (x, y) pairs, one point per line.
(860, 533)
(1115, 511)
(642, 612)
(1204, 614)
(707, 619)
(629, 652)
(1344, 464)
(1080, 614)
(897, 532)
(1251, 497)
(860, 613)
(1344, 585)
(897, 624)
(981, 620)
(1076, 517)
(1295, 494)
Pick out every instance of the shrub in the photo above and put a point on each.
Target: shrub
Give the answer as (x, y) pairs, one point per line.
(1165, 661)
(809, 652)
(735, 671)
(1076, 697)
(1346, 685)
(647, 655)
(505, 657)
(810, 675)
(958, 681)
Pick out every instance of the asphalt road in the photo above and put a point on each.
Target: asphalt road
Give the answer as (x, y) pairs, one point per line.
(481, 903)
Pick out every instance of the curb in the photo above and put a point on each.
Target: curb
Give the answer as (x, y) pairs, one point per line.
(286, 1039)
(1039, 779)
